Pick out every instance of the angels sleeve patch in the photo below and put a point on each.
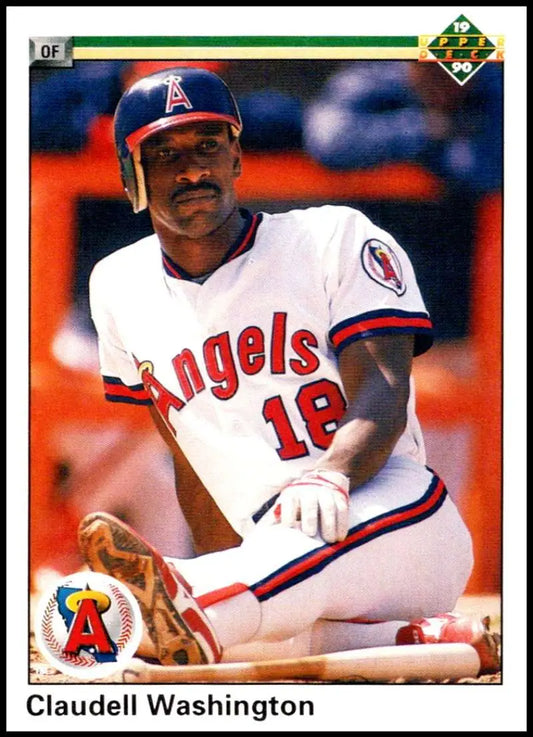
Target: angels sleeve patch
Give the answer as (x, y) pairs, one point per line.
(383, 265)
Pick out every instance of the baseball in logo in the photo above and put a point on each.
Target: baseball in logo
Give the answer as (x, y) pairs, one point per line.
(88, 625)
(383, 265)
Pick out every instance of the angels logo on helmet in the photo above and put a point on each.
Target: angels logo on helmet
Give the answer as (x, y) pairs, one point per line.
(175, 95)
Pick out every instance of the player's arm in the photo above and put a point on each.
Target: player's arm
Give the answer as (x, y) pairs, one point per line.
(375, 374)
(209, 528)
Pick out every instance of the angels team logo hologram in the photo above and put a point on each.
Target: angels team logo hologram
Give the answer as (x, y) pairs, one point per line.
(88, 625)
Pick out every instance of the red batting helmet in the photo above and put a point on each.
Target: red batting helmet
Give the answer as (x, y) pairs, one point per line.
(166, 99)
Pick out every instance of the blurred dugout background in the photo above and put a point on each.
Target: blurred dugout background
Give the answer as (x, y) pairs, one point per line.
(402, 141)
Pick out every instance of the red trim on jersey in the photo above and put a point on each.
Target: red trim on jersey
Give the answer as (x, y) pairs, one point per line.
(172, 121)
(213, 597)
(126, 392)
(246, 240)
(168, 264)
(379, 323)
(360, 620)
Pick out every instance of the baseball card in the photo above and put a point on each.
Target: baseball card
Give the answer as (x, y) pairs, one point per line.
(266, 423)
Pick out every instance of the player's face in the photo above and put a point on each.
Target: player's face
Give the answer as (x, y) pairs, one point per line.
(190, 173)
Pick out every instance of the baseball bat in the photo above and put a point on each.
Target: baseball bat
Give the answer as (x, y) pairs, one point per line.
(375, 664)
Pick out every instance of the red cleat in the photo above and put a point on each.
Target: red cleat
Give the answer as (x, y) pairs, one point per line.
(456, 628)
(177, 625)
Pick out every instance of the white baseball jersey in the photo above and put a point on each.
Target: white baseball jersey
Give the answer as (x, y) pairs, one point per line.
(243, 367)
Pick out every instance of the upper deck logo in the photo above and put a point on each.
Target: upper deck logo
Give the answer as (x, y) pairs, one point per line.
(88, 625)
(461, 49)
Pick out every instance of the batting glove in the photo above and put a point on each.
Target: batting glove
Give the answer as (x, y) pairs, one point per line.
(318, 499)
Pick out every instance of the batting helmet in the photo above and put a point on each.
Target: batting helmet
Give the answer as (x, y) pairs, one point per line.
(172, 97)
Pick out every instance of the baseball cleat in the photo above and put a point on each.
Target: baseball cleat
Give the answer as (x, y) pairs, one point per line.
(177, 625)
(456, 628)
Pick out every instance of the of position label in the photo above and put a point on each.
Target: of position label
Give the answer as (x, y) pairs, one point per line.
(55, 51)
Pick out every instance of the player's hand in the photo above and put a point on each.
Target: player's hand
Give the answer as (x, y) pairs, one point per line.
(317, 501)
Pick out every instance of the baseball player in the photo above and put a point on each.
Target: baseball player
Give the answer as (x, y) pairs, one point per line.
(274, 352)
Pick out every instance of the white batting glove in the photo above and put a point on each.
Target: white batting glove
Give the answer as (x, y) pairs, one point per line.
(316, 500)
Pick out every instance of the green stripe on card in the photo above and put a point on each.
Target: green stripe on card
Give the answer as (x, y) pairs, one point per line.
(244, 41)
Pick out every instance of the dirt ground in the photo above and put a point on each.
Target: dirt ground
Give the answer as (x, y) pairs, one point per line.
(42, 672)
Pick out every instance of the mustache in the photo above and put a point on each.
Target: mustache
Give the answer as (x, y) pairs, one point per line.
(191, 188)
